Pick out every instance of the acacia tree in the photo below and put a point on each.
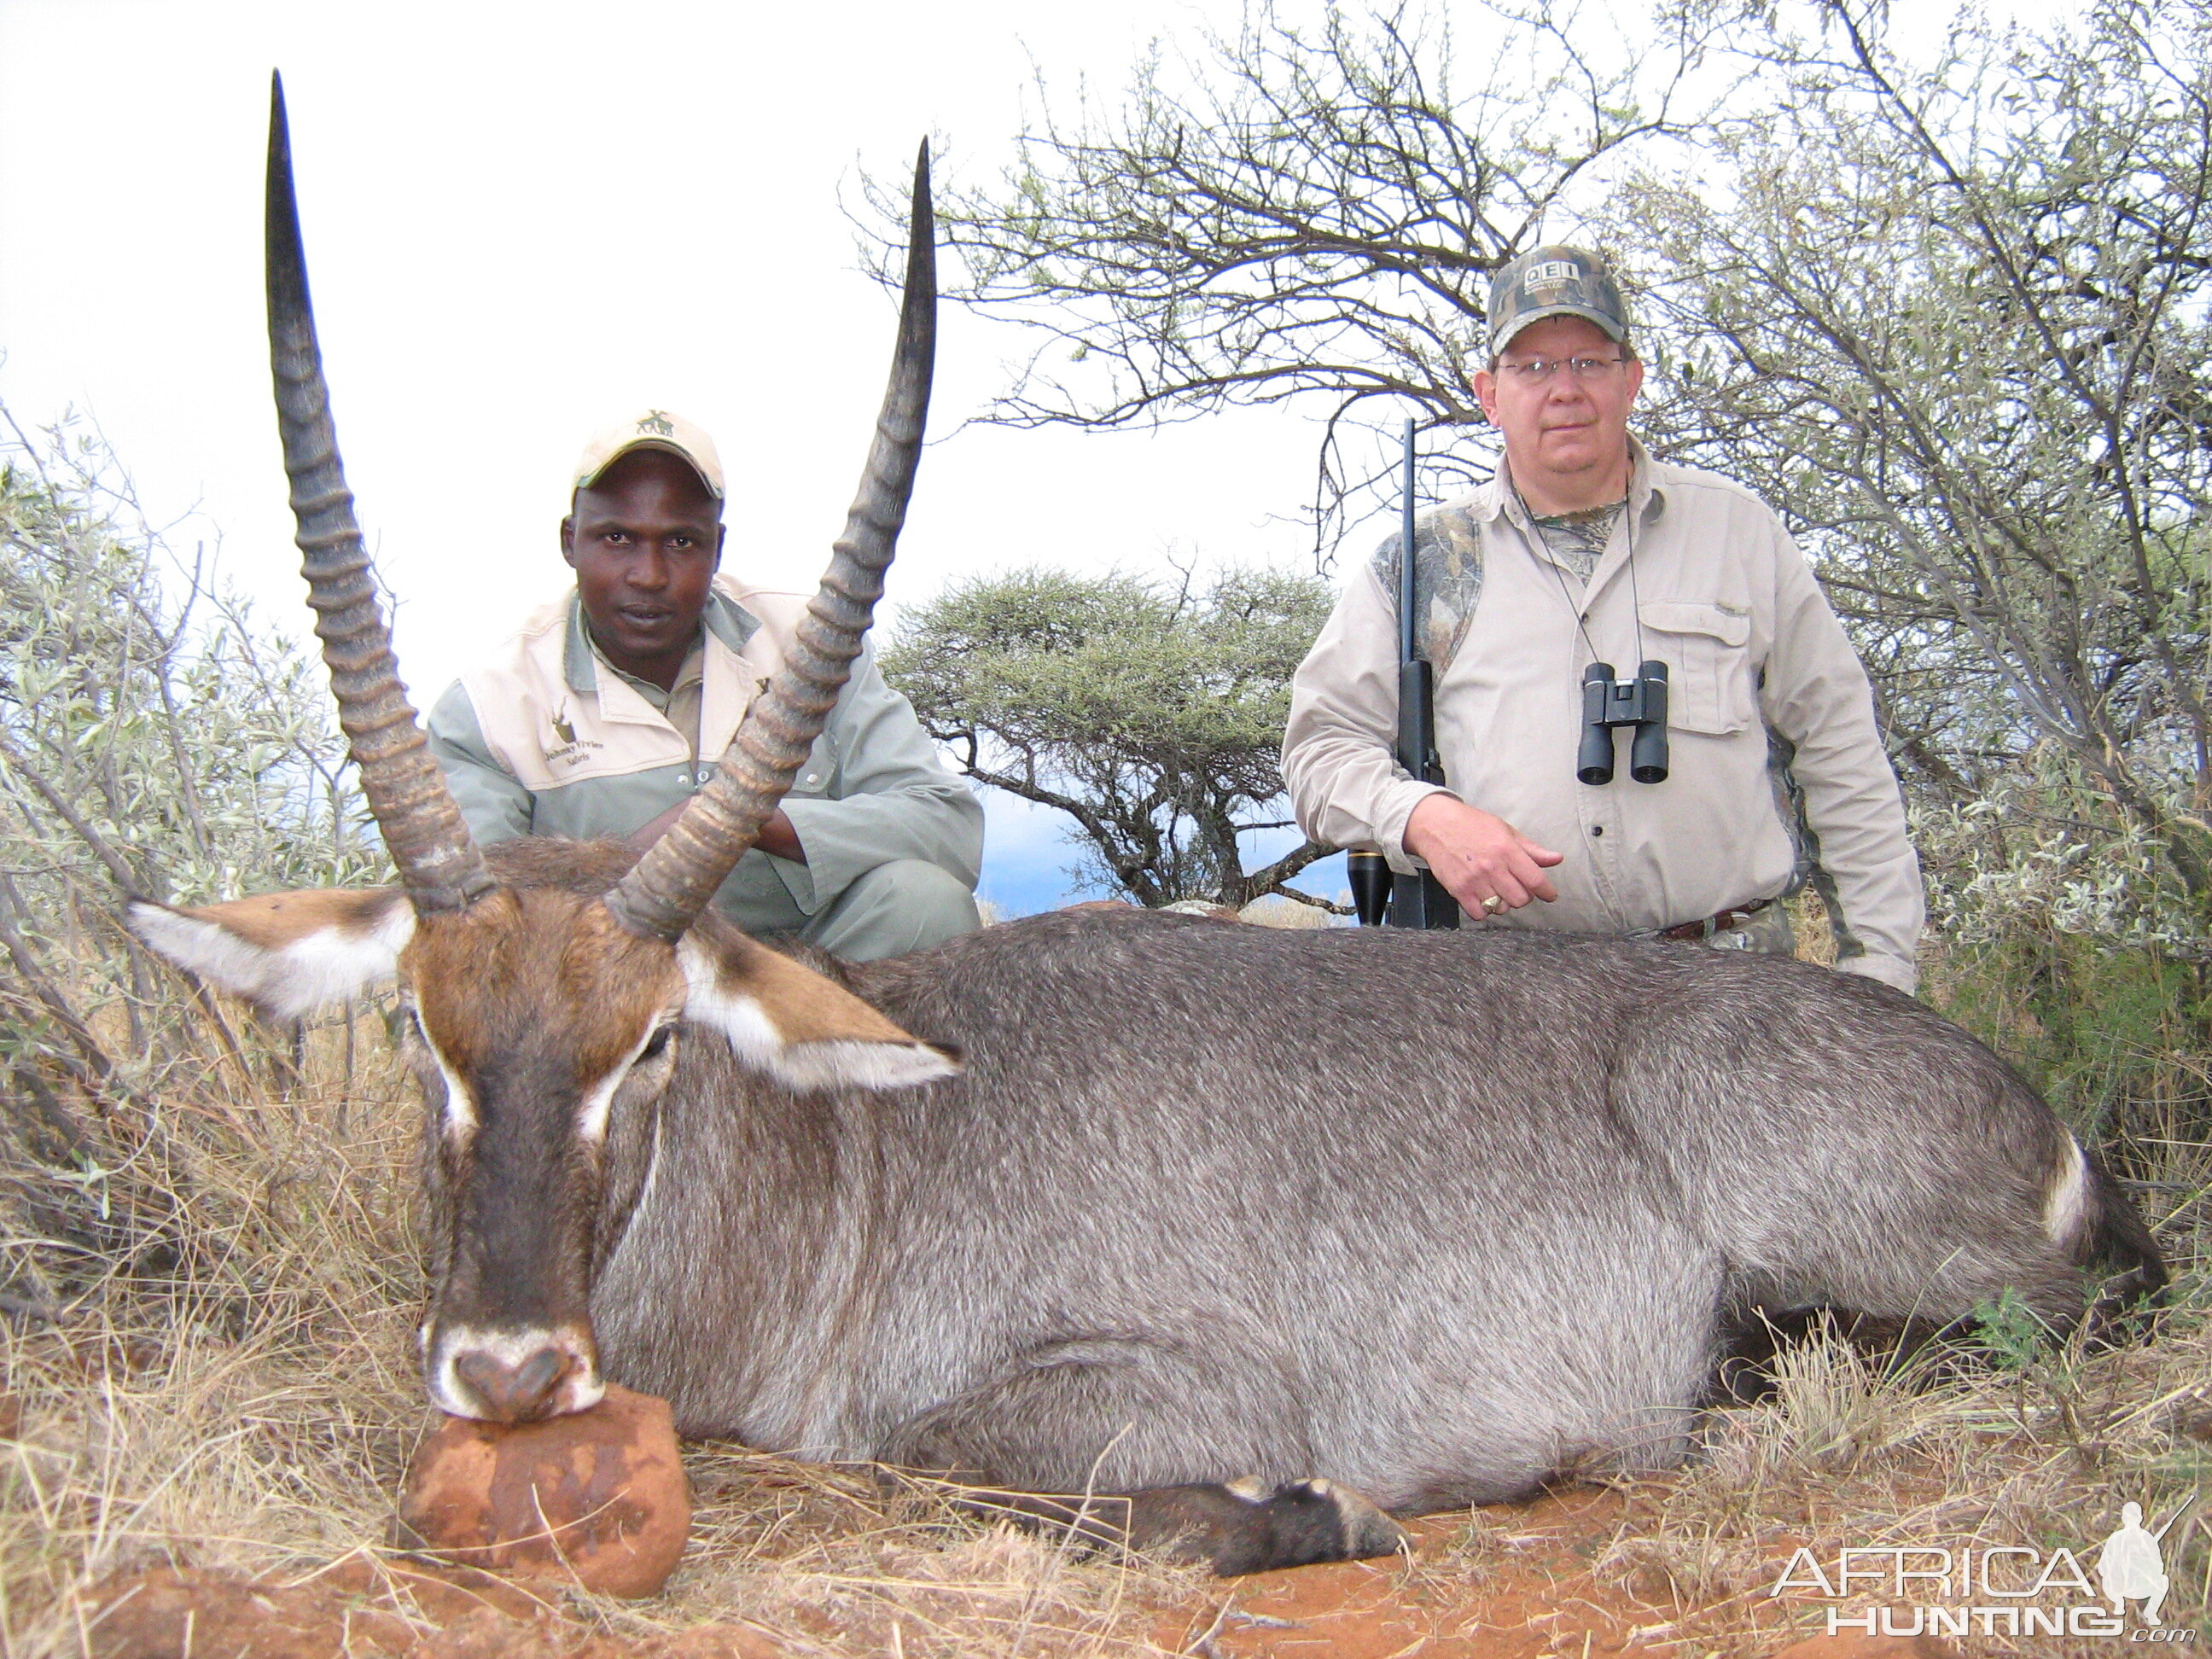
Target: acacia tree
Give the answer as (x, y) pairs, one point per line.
(1305, 213)
(1150, 716)
(1953, 320)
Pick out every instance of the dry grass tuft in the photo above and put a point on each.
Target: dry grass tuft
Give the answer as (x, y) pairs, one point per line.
(2040, 1447)
(875, 1565)
(231, 1387)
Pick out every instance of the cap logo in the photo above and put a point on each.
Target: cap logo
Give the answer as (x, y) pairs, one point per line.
(1552, 270)
(657, 424)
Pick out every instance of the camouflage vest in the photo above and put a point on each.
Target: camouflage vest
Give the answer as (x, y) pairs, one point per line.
(1447, 581)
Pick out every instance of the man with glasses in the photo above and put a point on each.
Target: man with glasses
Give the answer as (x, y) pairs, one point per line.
(1582, 549)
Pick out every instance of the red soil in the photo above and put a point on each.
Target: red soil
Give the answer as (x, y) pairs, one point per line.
(1531, 1592)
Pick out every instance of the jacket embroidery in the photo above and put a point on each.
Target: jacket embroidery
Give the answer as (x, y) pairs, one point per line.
(567, 752)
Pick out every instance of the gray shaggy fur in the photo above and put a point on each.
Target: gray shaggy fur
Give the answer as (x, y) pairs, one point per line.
(1439, 1216)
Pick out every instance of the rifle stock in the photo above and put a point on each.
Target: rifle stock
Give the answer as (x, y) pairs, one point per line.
(1419, 901)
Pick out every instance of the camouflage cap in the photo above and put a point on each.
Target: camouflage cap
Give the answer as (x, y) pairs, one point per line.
(1554, 281)
(654, 429)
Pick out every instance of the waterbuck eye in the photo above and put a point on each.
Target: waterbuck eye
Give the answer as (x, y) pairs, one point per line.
(656, 1045)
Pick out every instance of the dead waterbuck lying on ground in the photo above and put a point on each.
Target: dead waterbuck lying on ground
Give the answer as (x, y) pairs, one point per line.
(1123, 1203)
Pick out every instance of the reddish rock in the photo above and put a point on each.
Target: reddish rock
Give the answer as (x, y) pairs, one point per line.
(597, 1499)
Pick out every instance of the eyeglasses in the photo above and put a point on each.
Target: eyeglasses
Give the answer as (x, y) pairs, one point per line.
(1534, 371)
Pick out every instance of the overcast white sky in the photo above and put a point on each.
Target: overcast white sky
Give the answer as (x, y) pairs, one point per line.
(523, 221)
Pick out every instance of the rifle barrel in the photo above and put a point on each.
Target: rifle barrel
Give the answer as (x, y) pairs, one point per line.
(1408, 628)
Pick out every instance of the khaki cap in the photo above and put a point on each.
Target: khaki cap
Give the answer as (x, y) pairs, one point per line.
(654, 429)
(1554, 281)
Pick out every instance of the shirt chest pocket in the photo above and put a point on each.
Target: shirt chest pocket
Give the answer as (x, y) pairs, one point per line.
(818, 775)
(1711, 683)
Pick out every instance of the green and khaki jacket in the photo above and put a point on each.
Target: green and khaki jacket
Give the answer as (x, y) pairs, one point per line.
(545, 738)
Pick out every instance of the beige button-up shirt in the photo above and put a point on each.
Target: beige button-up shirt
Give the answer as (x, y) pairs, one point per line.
(1728, 603)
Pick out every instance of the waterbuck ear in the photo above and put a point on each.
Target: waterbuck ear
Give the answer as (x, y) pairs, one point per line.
(287, 953)
(786, 1020)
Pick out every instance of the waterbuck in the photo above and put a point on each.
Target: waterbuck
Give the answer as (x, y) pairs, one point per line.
(1239, 1223)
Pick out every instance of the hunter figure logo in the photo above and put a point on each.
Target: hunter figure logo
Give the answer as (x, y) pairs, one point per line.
(2130, 1567)
(1997, 1590)
(562, 728)
(656, 424)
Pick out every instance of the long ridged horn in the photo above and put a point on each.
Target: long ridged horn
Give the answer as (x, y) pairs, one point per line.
(430, 843)
(670, 884)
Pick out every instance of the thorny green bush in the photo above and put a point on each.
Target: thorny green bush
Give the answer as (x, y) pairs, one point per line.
(2060, 934)
(154, 739)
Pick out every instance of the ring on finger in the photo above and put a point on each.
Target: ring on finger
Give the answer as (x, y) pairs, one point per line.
(1493, 904)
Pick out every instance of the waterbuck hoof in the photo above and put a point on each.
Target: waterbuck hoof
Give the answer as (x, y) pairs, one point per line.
(1366, 1531)
(1246, 1525)
(597, 1498)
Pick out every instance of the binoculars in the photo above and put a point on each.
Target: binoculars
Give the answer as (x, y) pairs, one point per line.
(1609, 703)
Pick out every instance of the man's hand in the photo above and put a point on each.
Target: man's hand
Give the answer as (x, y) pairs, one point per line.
(1479, 856)
(645, 835)
(777, 838)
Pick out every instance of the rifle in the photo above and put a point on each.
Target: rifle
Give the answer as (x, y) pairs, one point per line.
(1419, 901)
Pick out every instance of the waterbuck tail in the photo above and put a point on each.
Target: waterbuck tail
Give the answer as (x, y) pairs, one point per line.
(430, 843)
(2088, 1213)
(669, 886)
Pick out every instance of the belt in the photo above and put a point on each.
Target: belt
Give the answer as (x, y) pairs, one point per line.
(1726, 921)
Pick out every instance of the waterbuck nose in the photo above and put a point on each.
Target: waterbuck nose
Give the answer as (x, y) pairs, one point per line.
(515, 1390)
